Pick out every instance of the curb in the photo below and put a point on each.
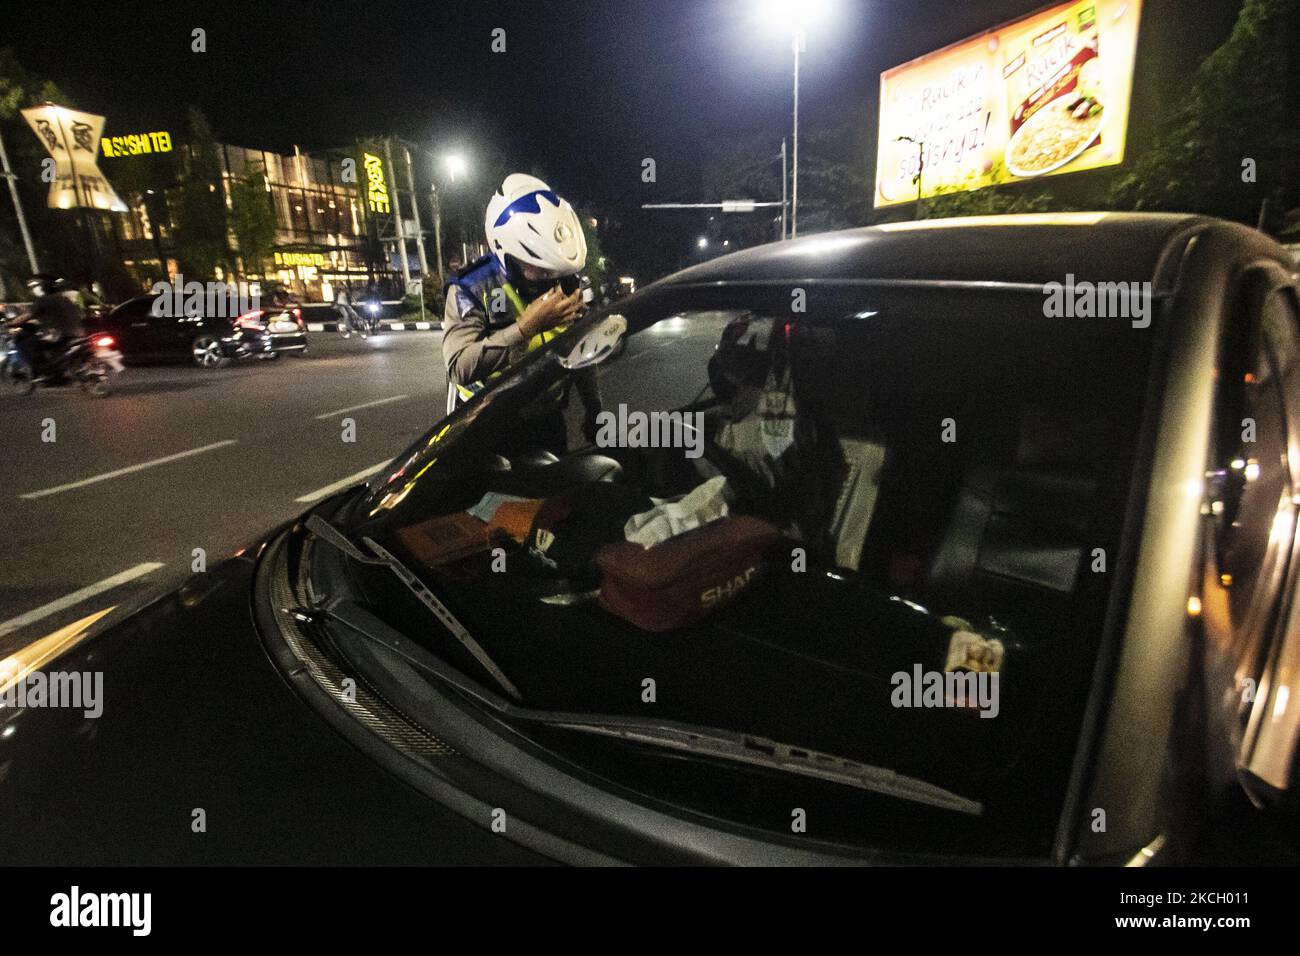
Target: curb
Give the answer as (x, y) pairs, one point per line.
(383, 326)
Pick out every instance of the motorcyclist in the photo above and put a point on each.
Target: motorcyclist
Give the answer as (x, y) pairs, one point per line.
(516, 298)
(52, 324)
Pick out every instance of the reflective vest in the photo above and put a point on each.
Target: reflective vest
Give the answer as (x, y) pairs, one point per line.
(466, 392)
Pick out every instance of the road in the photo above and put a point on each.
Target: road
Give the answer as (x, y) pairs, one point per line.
(178, 458)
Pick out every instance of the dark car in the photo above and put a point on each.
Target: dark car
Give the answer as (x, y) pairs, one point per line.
(145, 330)
(968, 540)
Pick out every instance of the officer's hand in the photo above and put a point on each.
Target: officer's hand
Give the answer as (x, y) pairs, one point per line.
(550, 309)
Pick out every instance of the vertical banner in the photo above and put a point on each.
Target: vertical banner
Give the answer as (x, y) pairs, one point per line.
(72, 140)
(1044, 95)
(376, 182)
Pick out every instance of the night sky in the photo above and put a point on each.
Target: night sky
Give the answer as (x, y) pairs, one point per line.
(583, 92)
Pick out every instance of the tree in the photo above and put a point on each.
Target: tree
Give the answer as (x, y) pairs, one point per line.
(597, 267)
(835, 185)
(989, 201)
(200, 210)
(835, 179)
(1232, 141)
(53, 231)
(252, 219)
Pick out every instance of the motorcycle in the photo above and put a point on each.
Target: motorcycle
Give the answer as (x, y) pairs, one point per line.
(90, 361)
(350, 320)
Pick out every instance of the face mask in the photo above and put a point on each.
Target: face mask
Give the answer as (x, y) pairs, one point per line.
(531, 290)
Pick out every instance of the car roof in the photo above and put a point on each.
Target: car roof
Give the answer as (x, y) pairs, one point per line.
(1030, 249)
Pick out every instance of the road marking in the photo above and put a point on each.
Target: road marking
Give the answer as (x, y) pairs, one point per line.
(397, 326)
(422, 326)
(41, 651)
(315, 326)
(126, 471)
(76, 597)
(353, 408)
(347, 482)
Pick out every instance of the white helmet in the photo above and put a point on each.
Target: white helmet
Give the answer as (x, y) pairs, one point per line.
(527, 221)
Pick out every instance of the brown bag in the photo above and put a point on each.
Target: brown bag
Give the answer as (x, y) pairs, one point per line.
(682, 580)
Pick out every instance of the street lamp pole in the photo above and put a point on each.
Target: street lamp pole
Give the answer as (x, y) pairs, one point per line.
(437, 231)
(397, 216)
(794, 190)
(415, 214)
(18, 208)
(785, 187)
(456, 164)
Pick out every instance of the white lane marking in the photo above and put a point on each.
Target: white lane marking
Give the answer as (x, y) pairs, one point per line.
(76, 597)
(339, 485)
(125, 471)
(353, 408)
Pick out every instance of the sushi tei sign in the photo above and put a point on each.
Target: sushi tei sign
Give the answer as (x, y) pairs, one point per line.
(1042, 95)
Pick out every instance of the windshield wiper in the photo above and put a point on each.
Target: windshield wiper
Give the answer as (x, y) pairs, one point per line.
(672, 735)
(327, 532)
(762, 752)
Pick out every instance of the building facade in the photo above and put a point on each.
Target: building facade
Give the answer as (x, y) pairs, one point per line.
(326, 237)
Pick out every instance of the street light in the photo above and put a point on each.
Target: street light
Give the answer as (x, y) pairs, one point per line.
(456, 165)
(793, 17)
(702, 242)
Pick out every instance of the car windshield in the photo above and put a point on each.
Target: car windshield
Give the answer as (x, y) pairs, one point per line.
(880, 526)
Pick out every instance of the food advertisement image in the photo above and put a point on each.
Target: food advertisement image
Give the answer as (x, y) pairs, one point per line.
(1043, 95)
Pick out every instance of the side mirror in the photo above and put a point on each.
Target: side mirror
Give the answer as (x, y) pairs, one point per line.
(596, 344)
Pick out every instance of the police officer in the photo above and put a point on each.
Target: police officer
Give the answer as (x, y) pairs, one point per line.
(516, 298)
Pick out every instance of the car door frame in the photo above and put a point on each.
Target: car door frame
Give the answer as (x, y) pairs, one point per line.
(1128, 760)
(1265, 750)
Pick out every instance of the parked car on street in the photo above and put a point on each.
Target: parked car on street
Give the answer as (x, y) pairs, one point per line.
(933, 542)
(207, 340)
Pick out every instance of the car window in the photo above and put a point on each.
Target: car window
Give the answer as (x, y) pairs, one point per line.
(1251, 479)
(768, 503)
(137, 308)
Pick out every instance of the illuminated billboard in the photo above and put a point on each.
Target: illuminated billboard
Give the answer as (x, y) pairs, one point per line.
(376, 184)
(71, 137)
(136, 144)
(1044, 95)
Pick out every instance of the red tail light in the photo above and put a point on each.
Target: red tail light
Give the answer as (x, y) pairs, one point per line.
(251, 320)
(105, 341)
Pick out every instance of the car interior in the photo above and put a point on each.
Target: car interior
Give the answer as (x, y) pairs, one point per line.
(856, 544)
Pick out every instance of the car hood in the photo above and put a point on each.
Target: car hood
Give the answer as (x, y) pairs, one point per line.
(204, 754)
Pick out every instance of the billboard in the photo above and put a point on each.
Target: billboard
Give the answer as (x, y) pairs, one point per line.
(1040, 96)
(376, 184)
(72, 140)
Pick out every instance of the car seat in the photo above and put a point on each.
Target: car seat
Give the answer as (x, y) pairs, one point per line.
(1018, 530)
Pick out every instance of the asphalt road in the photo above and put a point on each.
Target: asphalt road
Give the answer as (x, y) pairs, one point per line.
(179, 458)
